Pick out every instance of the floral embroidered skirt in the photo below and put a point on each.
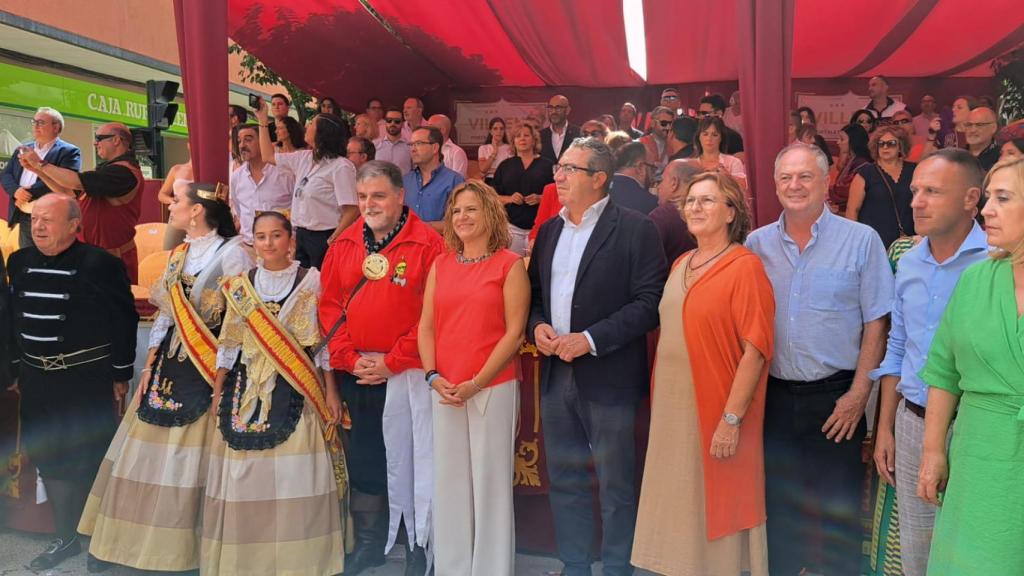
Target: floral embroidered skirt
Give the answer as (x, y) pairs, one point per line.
(274, 511)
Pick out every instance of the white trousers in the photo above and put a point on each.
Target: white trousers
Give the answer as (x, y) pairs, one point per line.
(474, 519)
(519, 240)
(409, 449)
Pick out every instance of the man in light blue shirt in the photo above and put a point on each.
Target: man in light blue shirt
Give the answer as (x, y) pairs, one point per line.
(946, 188)
(429, 183)
(833, 293)
(390, 146)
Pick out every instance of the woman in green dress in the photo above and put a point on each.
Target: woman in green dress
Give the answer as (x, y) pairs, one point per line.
(976, 371)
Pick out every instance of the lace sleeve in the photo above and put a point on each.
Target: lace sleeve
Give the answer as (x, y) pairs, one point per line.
(160, 327)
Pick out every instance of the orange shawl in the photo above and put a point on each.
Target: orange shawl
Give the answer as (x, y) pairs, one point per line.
(733, 302)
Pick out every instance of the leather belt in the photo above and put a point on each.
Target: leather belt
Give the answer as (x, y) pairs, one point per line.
(69, 360)
(917, 409)
(841, 378)
(122, 250)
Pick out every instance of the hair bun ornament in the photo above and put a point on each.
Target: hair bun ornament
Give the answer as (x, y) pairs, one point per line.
(219, 193)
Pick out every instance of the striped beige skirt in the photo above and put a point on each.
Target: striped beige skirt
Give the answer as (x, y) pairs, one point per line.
(143, 510)
(273, 512)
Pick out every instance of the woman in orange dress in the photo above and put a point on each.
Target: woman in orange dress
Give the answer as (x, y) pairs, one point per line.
(702, 508)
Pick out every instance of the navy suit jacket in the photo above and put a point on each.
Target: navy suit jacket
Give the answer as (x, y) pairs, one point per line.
(618, 288)
(63, 154)
(629, 193)
(546, 148)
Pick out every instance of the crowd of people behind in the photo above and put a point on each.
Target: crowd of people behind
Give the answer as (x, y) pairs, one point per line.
(337, 328)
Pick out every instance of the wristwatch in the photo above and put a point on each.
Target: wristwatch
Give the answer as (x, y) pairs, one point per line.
(731, 419)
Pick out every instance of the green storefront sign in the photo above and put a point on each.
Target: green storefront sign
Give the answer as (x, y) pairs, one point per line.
(30, 89)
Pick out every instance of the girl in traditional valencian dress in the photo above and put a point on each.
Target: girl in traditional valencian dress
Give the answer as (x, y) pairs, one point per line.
(276, 473)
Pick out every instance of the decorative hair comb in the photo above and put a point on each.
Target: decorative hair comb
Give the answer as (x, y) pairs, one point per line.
(219, 194)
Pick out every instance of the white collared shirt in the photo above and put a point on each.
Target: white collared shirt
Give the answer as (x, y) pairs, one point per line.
(272, 192)
(566, 264)
(454, 157)
(28, 177)
(321, 188)
(557, 139)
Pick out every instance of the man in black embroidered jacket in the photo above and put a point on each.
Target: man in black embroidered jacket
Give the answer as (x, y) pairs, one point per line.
(74, 325)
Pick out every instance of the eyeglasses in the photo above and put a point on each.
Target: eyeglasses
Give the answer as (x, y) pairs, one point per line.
(971, 125)
(901, 122)
(419, 143)
(557, 107)
(41, 122)
(393, 120)
(102, 137)
(703, 113)
(705, 202)
(571, 169)
(888, 143)
(669, 97)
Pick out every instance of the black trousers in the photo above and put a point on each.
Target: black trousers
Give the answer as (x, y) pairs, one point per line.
(575, 432)
(365, 455)
(311, 246)
(25, 228)
(813, 485)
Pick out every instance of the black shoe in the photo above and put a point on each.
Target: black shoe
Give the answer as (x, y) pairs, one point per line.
(416, 562)
(57, 552)
(94, 565)
(363, 558)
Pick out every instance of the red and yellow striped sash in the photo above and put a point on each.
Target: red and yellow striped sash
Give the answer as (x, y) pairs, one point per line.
(200, 344)
(274, 340)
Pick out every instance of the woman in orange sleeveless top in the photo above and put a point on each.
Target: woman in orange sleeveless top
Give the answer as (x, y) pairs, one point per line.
(474, 313)
(702, 508)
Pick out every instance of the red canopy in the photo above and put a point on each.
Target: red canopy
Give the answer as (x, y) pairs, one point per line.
(338, 48)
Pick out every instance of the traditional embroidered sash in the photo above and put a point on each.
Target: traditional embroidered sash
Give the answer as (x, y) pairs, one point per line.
(289, 358)
(199, 343)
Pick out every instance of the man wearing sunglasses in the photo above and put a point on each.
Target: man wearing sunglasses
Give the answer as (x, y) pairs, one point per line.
(656, 142)
(391, 147)
(23, 186)
(556, 138)
(110, 196)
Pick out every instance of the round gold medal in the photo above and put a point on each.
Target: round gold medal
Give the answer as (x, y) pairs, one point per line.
(375, 266)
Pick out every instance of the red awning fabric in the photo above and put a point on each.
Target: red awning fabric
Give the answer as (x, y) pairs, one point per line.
(337, 48)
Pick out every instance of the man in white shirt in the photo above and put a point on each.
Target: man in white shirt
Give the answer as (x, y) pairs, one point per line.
(24, 186)
(880, 104)
(452, 154)
(256, 186)
(392, 146)
(412, 110)
(556, 138)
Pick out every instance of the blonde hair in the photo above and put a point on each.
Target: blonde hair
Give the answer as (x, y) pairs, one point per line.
(534, 133)
(1017, 166)
(495, 218)
(740, 226)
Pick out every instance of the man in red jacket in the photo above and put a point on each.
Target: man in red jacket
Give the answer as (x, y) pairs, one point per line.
(374, 274)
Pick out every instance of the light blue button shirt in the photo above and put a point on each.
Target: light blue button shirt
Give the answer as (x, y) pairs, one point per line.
(923, 288)
(823, 296)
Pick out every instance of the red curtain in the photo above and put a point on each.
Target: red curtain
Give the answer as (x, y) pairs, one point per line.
(765, 31)
(202, 27)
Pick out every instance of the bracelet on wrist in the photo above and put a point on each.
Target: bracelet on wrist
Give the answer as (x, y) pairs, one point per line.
(431, 376)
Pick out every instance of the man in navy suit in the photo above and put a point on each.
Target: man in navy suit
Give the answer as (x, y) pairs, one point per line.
(597, 274)
(556, 138)
(23, 186)
(633, 175)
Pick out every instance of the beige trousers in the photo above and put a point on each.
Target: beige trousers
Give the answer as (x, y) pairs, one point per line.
(474, 455)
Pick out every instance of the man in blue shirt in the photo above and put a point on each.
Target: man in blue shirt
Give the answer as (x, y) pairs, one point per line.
(946, 188)
(429, 183)
(833, 292)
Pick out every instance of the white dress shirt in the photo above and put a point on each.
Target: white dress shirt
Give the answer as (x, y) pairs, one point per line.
(272, 192)
(28, 177)
(566, 263)
(558, 138)
(454, 157)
